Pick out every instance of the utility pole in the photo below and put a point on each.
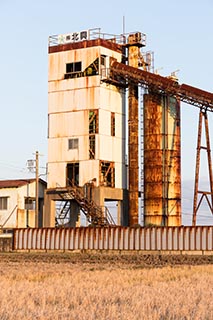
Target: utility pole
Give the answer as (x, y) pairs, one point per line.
(33, 166)
(37, 190)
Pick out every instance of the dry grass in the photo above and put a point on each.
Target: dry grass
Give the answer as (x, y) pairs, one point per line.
(63, 290)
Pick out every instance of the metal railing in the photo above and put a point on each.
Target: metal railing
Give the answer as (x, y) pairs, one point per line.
(92, 34)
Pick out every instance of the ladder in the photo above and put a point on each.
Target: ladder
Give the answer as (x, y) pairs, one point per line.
(141, 156)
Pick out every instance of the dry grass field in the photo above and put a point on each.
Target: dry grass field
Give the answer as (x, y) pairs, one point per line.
(75, 286)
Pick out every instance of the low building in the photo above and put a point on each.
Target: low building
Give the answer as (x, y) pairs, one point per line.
(18, 203)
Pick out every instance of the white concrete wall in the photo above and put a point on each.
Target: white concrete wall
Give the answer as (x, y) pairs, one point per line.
(16, 197)
(12, 195)
(68, 111)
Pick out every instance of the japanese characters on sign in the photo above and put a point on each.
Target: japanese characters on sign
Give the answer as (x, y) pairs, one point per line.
(72, 37)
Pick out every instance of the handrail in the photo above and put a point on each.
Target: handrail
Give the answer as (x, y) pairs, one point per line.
(2, 226)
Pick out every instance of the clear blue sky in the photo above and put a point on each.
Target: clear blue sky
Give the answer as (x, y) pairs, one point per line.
(178, 31)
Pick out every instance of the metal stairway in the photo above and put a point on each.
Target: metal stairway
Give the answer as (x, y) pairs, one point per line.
(95, 215)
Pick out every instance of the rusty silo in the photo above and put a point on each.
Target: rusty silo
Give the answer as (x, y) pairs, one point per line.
(162, 176)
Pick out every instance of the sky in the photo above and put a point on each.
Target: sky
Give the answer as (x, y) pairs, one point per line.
(178, 31)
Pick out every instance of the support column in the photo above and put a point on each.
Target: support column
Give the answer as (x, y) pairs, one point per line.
(204, 194)
(133, 56)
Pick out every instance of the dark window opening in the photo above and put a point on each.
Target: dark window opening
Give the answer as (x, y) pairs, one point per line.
(93, 68)
(29, 204)
(73, 67)
(74, 70)
(107, 171)
(93, 121)
(112, 124)
(72, 144)
(3, 203)
(92, 146)
(73, 174)
(103, 60)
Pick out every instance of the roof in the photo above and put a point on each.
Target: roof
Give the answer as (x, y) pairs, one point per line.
(18, 183)
(87, 44)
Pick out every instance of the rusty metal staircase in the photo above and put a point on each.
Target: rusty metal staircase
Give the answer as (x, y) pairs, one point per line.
(62, 213)
(95, 215)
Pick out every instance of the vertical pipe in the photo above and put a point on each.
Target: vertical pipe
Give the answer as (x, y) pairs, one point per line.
(37, 192)
(133, 55)
(164, 161)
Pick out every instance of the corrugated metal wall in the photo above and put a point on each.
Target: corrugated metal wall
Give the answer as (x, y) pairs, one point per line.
(115, 238)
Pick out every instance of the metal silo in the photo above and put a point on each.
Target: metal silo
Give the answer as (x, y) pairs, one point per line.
(162, 170)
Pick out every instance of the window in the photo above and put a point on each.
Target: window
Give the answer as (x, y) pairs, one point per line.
(92, 146)
(112, 123)
(103, 60)
(29, 204)
(93, 128)
(93, 121)
(3, 203)
(73, 174)
(72, 144)
(73, 67)
(107, 171)
(93, 68)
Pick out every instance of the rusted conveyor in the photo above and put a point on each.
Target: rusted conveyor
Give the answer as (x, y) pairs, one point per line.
(191, 95)
(184, 92)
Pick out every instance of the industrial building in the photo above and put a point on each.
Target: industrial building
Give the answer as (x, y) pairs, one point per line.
(18, 203)
(95, 119)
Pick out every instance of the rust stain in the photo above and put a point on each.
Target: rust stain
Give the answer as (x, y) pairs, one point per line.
(162, 183)
(133, 141)
(86, 44)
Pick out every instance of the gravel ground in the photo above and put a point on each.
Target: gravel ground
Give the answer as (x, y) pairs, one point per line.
(106, 259)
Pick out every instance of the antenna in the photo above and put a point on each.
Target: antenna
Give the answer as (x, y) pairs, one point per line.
(123, 25)
(157, 70)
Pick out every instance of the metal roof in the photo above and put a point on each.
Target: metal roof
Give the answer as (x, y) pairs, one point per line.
(17, 183)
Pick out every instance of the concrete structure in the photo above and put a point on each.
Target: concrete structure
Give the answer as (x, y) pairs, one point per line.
(88, 76)
(17, 203)
(86, 125)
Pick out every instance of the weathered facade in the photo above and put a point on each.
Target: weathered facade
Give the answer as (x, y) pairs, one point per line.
(87, 81)
(86, 127)
(17, 203)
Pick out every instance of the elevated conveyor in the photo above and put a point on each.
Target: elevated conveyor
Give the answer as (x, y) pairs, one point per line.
(155, 82)
(168, 86)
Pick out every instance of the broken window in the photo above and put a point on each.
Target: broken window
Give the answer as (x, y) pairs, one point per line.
(112, 123)
(93, 121)
(92, 69)
(3, 203)
(72, 144)
(73, 174)
(107, 171)
(92, 146)
(93, 129)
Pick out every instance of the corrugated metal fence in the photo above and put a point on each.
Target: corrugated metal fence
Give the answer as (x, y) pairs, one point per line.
(115, 238)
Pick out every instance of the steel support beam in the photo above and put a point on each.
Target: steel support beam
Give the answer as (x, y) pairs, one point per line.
(204, 194)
